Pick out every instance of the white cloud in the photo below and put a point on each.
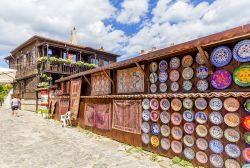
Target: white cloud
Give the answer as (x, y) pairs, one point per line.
(132, 11)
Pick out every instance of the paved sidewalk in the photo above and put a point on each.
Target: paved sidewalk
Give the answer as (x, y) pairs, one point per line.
(29, 141)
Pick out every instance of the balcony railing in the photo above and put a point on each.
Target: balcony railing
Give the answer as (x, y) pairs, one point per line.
(66, 69)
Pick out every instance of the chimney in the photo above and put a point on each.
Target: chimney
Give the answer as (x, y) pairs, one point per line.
(101, 49)
(73, 39)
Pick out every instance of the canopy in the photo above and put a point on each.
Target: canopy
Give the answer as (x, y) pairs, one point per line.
(7, 75)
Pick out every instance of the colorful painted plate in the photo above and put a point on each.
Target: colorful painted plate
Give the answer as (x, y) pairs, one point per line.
(232, 150)
(155, 129)
(153, 88)
(202, 85)
(189, 128)
(247, 105)
(216, 161)
(215, 104)
(231, 163)
(164, 104)
(221, 56)
(153, 77)
(187, 61)
(176, 133)
(145, 127)
(188, 116)
(174, 86)
(165, 117)
(176, 104)
(146, 115)
(246, 122)
(145, 104)
(231, 104)
(216, 132)
(176, 146)
(232, 135)
(216, 146)
(187, 73)
(163, 76)
(215, 118)
(201, 131)
(188, 103)
(232, 119)
(176, 118)
(202, 144)
(200, 103)
(199, 59)
(201, 117)
(163, 65)
(188, 140)
(154, 116)
(246, 154)
(241, 76)
(154, 104)
(163, 87)
(174, 63)
(247, 165)
(154, 141)
(241, 51)
(165, 144)
(187, 85)
(174, 75)
(202, 72)
(201, 157)
(189, 153)
(247, 138)
(165, 130)
(153, 67)
(221, 79)
(145, 138)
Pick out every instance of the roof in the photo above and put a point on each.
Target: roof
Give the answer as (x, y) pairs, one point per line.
(227, 36)
(7, 75)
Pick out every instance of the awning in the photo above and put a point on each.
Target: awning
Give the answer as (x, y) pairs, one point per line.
(7, 75)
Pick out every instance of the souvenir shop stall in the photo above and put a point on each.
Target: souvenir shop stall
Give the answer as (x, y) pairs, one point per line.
(191, 100)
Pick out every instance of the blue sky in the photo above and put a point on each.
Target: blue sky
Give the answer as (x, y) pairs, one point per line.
(121, 26)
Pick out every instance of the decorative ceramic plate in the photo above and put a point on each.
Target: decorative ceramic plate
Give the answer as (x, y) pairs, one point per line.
(246, 122)
(145, 104)
(174, 63)
(146, 115)
(176, 104)
(189, 153)
(246, 154)
(199, 58)
(188, 140)
(201, 157)
(231, 163)
(154, 141)
(241, 51)
(187, 85)
(232, 150)
(221, 79)
(153, 88)
(165, 144)
(216, 161)
(188, 103)
(215, 118)
(241, 76)
(164, 104)
(163, 76)
(145, 138)
(216, 146)
(201, 144)
(247, 105)
(176, 146)
(201, 131)
(221, 56)
(176, 118)
(232, 119)
(247, 165)
(216, 132)
(187, 73)
(174, 86)
(155, 129)
(174, 75)
(200, 103)
(153, 77)
(145, 127)
(163, 65)
(231, 104)
(188, 116)
(176, 133)
(165, 117)
(189, 128)
(215, 104)
(187, 61)
(232, 135)
(202, 72)
(154, 104)
(202, 85)
(163, 87)
(165, 130)
(201, 117)
(153, 67)
(247, 138)
(154, 116)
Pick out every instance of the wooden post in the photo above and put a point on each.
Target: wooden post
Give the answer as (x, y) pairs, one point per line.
(109, 78)
(142, 70)
(204, 57)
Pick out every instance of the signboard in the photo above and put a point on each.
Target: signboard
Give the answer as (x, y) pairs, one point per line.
(75, 93)
(44, 98)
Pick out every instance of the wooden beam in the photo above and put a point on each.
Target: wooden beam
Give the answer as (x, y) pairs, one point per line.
(142, 70)
(205, 58)
(109, 78)
(87, 80)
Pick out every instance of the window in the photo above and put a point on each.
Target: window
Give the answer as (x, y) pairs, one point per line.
(106, 62)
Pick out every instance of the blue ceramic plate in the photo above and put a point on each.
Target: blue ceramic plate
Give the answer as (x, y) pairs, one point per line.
(241, 51)
(188, 116)
(163, 76)
(187, 85)
(165, 117)
(202, 72)
(163, 65)
(155, 129)
(216, 146)
(215, 104)
(201, 117)
(221, 56)
(216, 161)
(232, 150)
(146, 115)
(145, 127)
(215, 118)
